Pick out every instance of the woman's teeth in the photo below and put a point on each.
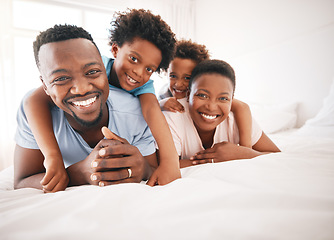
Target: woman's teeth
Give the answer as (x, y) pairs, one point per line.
(85, 103)
(209, 116)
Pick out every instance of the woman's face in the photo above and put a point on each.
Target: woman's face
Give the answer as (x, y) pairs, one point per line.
(210, 101)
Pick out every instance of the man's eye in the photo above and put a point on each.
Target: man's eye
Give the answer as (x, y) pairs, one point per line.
(133, 59)
(91, 72)
(60, 80)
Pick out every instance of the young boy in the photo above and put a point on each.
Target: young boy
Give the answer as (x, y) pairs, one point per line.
(141, 43)
(188, 54)
(206, 132)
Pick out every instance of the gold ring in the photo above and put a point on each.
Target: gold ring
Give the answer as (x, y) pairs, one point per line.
(130, 172)
(212, 160)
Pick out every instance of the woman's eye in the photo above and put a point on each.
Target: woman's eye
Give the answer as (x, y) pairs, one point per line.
(133, 59)
(201, 95)
(223, 99)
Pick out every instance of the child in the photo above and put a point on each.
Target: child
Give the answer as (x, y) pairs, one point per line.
(141, 43)
(188, 54)
(206, 132)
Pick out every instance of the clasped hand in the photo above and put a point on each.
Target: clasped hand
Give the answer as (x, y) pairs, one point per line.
(113, 161)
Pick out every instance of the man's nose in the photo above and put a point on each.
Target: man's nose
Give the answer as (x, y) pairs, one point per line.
(80, 86)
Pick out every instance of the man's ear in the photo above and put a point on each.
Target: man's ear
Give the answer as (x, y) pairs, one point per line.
(44, 86)
(114, 49)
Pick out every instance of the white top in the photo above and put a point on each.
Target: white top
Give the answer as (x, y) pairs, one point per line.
(186, 139)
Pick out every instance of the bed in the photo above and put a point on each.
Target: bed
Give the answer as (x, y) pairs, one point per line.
(287, 195)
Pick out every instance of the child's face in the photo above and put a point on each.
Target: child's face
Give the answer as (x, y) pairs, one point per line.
(210, 101)
(179, 72)
(135, 62)
(74, 77)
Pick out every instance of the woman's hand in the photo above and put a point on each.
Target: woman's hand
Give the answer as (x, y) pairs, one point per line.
(224, 151)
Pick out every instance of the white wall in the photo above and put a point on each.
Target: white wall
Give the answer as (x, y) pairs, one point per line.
(282, 51)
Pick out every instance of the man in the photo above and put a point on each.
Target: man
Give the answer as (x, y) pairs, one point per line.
(74, 77)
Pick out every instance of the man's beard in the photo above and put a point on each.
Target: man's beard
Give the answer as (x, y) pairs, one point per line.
(87, 123)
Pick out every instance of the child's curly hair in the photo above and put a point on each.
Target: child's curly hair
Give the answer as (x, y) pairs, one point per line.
(143, 24)
(186, 49)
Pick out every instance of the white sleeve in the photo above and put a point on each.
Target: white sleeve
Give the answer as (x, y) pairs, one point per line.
(256, 132)
(173, 120)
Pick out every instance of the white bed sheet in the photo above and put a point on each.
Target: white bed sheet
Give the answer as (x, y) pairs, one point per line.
(288, 195)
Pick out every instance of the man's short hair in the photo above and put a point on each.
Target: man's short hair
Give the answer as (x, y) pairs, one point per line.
(59, 33)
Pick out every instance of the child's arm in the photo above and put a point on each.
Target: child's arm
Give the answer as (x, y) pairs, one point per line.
(37, 108)
(169, 168)
(171, 104)
(243, 118)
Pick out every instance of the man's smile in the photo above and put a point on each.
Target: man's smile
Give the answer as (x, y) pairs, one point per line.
(85, 103)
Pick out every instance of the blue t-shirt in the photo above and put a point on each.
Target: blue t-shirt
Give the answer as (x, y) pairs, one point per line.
(125, 120)
(146, 88)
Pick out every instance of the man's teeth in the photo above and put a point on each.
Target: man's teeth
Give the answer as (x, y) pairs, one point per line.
(85, 103)
(209, 116)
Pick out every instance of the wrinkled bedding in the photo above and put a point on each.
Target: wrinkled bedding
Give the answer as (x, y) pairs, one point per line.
(287, 195)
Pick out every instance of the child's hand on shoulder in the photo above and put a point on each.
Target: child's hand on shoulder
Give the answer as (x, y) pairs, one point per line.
(172, 105)
(56, 178)
(164, 174)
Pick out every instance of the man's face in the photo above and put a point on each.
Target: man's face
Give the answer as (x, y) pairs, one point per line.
(210, 101)
(179, 72)
(134, 63)
(74, 77)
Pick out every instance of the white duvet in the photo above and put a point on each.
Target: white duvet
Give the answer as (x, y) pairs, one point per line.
(288, 195)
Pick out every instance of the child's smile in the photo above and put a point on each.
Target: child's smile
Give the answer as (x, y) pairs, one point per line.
(179, 75)
(134, 63)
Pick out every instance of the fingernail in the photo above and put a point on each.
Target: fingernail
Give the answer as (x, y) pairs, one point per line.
(101, 184)
(93, 177)
(191, 158)
(102, 152)
(94, 164)
(194, 162)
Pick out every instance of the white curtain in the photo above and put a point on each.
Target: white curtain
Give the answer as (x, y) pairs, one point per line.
(8, 111)
(180, 15)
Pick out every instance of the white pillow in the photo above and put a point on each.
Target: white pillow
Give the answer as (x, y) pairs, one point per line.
(325, 116)
(275, 118)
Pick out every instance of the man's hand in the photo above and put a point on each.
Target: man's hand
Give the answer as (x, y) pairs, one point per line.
(118, 163)
(172, 105)
(224, 151)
